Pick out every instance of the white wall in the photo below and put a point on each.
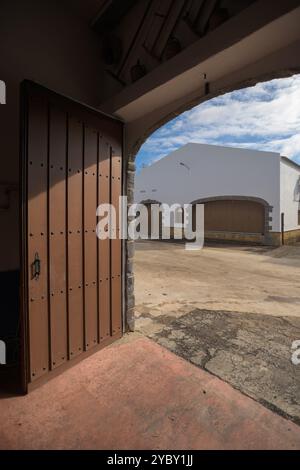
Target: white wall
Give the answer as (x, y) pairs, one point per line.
(290, 195)
(214, 171)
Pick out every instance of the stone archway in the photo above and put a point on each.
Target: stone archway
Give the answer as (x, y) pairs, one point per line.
(153, 123)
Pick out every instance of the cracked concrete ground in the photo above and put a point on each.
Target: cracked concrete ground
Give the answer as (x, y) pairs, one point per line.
(233, 311)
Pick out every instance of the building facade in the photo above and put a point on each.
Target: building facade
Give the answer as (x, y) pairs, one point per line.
(249, 195)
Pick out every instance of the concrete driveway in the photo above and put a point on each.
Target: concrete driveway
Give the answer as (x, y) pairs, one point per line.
(233, 311)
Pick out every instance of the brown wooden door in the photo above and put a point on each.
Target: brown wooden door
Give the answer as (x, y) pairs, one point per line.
(72, 162)
(234, 216)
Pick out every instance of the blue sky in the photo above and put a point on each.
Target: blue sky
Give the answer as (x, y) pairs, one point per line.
(265, 117)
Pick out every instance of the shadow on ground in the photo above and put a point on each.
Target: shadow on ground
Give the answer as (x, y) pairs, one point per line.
(250, 351)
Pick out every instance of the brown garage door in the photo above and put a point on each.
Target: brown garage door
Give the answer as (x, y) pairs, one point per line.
(72, 296)
(234, 216)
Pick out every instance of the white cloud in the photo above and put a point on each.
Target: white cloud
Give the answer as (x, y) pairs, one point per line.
(264, 117)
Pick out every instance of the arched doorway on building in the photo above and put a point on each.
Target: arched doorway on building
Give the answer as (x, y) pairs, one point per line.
(235, 218)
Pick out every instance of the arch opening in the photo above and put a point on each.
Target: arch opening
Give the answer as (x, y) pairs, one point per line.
(197, 304)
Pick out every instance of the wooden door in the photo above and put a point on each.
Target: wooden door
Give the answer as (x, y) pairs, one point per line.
(71, 162)
(234, 216)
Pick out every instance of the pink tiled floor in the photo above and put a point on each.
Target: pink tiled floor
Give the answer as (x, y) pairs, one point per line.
(138, 395)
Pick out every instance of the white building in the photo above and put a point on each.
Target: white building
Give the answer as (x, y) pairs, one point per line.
(248, 195)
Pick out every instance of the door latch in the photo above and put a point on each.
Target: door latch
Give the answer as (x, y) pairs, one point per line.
(36, 267)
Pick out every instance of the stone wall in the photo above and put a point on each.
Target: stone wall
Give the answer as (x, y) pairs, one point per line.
(129, 255)
(255, 238)
(290, 238)
(273, 239)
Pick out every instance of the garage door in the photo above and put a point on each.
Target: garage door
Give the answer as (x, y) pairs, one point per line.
(234, 216)
(72, 281)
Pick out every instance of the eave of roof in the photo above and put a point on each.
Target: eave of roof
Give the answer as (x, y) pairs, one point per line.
(287, 161)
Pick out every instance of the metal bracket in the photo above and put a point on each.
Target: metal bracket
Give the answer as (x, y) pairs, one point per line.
(36, 267)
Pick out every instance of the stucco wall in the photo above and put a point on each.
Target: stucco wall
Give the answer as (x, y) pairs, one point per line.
(45, 42)
(212, 171)
(290, 195)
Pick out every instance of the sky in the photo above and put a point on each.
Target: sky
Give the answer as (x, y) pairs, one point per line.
(265, 117)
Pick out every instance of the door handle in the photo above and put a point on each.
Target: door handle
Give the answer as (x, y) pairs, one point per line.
(36, 267)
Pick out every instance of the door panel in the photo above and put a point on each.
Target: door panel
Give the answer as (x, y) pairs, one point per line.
(37, 237)
(73, 282)
(104, 246)
(90, 240)
(57, 236)
(116, 242)
(75, 225)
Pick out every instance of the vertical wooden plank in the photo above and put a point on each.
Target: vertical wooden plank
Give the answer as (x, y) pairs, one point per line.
(90, 239)
(37, 236)
(75, 245)
(57, 236)
(116, 245)
(104, 245)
